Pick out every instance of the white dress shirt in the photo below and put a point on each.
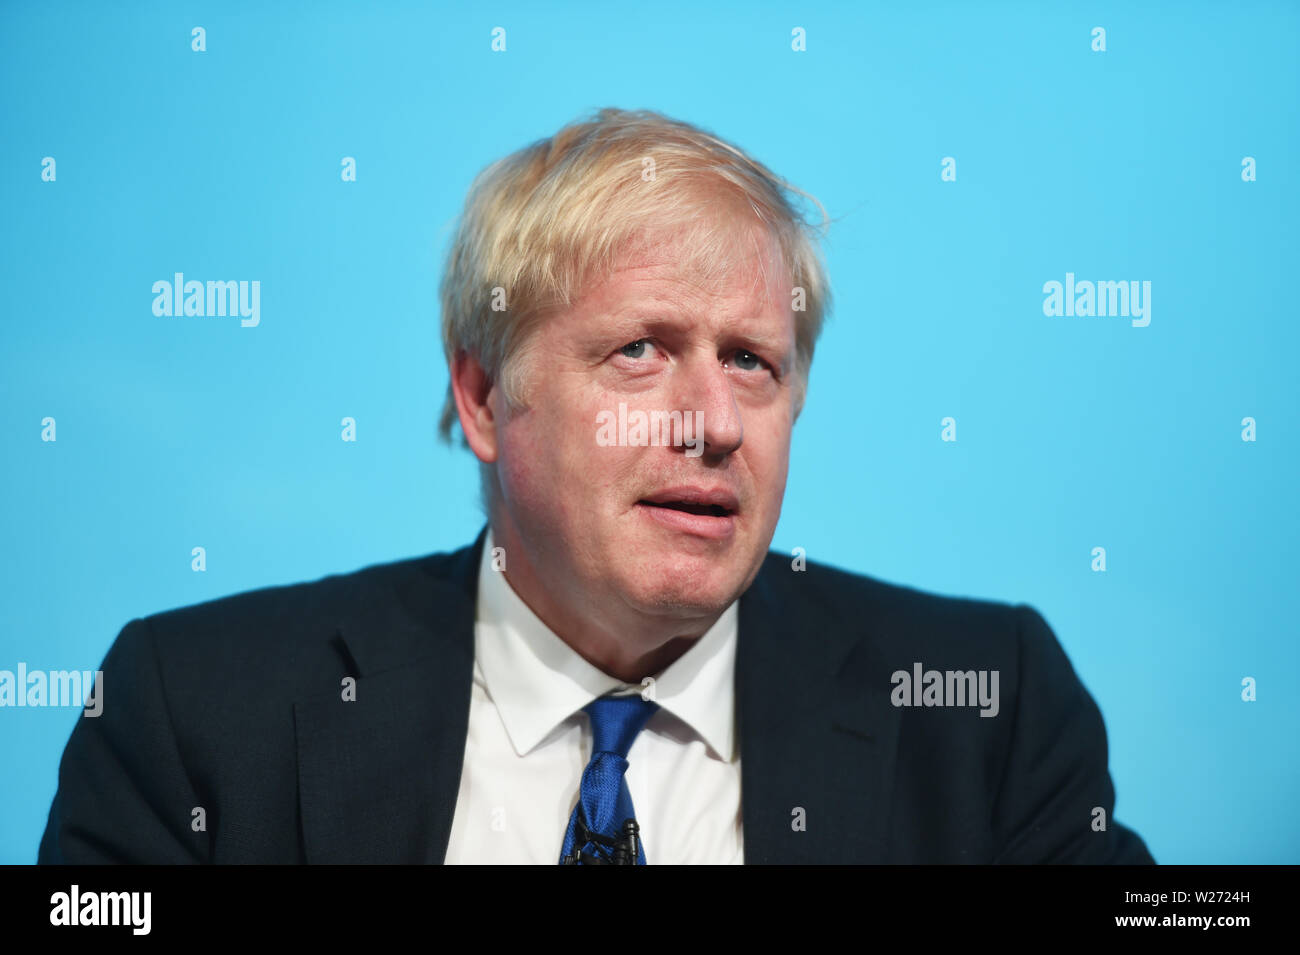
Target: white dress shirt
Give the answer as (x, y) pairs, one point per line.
(529, 742)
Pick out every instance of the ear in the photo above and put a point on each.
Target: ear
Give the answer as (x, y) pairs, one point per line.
(474, 392)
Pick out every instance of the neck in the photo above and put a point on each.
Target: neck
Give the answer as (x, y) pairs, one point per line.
(602, 629)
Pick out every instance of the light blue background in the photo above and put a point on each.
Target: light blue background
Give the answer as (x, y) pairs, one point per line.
(1072, 432)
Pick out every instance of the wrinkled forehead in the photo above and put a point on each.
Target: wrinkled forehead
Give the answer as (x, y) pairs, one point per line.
(717, 256)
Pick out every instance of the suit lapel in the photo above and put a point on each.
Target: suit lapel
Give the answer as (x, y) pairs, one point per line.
(818, 733)
(378, 776)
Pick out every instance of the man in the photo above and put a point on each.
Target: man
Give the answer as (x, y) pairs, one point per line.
(617, 671)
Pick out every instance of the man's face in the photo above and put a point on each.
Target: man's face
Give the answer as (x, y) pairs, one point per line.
(664, 531)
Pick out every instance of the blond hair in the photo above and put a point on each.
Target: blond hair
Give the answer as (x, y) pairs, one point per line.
(544, 223)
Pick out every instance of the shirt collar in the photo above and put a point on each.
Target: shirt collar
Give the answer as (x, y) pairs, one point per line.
(537, 681)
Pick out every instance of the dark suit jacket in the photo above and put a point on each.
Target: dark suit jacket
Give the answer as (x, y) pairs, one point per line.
(235, 707)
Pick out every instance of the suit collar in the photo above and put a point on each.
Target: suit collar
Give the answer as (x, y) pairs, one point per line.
(430, 611)
(819, 735)
(378, 774)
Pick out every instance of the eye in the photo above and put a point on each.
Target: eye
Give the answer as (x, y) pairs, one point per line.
(635, 349)
(747, 360)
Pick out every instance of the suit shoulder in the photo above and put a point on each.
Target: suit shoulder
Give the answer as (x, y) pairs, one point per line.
(274, 625)
(854, 591)
(891, 611)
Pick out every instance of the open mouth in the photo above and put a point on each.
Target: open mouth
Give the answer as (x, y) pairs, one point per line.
(709, 513)
(694, 501)
(703, 510)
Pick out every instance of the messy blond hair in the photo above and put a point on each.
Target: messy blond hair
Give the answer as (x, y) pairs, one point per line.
(548, 221)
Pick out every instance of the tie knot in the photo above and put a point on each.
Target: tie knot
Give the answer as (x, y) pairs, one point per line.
(615, 721)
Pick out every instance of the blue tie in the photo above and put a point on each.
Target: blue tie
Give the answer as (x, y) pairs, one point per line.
(597, 834)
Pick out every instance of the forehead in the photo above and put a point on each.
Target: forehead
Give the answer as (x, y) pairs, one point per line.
(736, 275)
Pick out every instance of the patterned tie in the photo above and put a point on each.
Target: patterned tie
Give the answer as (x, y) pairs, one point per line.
(599, 832)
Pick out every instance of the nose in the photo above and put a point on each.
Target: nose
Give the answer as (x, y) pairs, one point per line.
(705, 387)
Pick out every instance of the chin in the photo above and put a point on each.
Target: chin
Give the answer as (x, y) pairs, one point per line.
(685, 587)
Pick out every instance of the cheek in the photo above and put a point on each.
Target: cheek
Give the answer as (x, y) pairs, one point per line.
(547, 462)
(769, 462)
(777, 466)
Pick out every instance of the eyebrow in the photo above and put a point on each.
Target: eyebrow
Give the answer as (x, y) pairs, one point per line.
(658, 315)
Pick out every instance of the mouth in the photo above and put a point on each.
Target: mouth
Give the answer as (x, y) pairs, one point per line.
(701, 512)
(704, 510)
